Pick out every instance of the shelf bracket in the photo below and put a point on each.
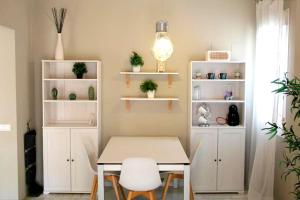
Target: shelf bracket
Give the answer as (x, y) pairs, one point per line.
(170, 80)
(128, 105)
(170, 105)
(127, 80)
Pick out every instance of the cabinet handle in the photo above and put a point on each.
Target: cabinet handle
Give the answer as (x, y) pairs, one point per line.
(220, 160)
(72, 160)
(68, 160)
(215, 160)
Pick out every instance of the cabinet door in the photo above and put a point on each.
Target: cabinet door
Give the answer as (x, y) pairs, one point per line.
(57, 160)
(231, 158)
(204, 165)
(82, 175)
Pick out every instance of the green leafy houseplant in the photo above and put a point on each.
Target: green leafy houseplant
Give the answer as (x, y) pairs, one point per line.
(291, 159)
(149, 87)
(136, 62)
(79, 69)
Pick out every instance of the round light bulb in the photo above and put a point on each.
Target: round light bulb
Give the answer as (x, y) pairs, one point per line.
(162, 47)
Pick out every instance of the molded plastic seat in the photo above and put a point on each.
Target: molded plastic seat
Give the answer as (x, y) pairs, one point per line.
(92, 156)
(140, 176)
(179, 175)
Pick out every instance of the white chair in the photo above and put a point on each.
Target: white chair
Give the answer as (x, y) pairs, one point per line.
(141, 177)
(172, 176)
(107, 176)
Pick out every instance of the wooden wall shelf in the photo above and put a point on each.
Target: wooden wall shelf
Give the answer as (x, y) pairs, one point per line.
(168, 99)
(169, 74)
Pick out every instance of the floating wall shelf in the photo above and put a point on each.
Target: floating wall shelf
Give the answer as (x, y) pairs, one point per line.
(169, 74)
(168, 99)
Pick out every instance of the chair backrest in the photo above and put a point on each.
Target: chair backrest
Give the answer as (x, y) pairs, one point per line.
(194, 157)
(91, 154)
(140, 174)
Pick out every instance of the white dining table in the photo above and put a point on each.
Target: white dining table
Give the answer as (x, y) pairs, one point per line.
(167, 151)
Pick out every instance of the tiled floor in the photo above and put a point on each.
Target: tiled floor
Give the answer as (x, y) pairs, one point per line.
(174, 194)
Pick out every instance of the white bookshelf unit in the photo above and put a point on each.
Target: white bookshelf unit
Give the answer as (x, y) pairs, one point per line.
(220, 165)
(70, 125)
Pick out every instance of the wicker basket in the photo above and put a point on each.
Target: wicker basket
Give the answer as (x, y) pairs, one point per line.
(218, 56)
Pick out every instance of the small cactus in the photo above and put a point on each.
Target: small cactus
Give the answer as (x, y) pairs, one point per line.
(72, 96)
(91, 93)
(54, 93)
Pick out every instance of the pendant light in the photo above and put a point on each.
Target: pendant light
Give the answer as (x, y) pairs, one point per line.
(162, 48)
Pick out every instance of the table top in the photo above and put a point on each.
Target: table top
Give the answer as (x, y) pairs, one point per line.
(165, 150)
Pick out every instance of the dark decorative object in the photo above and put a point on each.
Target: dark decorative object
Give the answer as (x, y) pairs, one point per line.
(233, 118)
(54, 93)
(59, 18)
(72, 96)
(291, 158)
(91, 93)
(79, 69)
(33, 188)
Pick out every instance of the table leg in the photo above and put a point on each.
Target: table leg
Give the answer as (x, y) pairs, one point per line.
(100, 182)
(186, 182)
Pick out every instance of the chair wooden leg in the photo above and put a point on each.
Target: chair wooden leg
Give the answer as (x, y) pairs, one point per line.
(129, 197)
(121, 189)
(152, 195)
(191, 192)
(166, 187)
(94, 188)
(116, 187)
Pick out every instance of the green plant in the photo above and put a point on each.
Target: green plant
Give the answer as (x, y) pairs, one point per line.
(136, 60)
(291, 159)
(54, 93)
(79, 69)
(72, 96)
(148, 85)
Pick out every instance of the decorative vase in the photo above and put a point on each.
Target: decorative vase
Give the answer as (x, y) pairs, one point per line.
(59, 50)
(136, 68)
(91, 93)
(151, 94)
(54, 93)
(79, 76)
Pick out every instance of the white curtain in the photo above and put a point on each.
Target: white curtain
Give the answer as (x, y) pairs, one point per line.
(271, 60)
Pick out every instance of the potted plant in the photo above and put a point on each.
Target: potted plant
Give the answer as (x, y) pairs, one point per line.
(291, 158)
(79, 69)
(149, 87)
(136, 62)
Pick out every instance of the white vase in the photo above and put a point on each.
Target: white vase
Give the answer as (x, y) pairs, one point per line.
(59, 50)
(151, 94)
(136, 68)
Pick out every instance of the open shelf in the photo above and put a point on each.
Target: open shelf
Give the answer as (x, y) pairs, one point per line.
(218, 80)
(217, 101)
(70, 79)
(128, 74)
(70, 101)
(168, 99)
(149, 99)
(217, 126)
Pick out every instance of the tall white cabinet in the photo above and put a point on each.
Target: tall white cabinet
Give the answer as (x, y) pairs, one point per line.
(70, 125)
(219, 165)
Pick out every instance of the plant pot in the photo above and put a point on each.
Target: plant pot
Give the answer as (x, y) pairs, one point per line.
(151, 94)
(136, 68)
(59, 50)
(79, 76)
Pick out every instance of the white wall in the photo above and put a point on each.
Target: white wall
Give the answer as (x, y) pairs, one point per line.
(110, 30)
(15, 14)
